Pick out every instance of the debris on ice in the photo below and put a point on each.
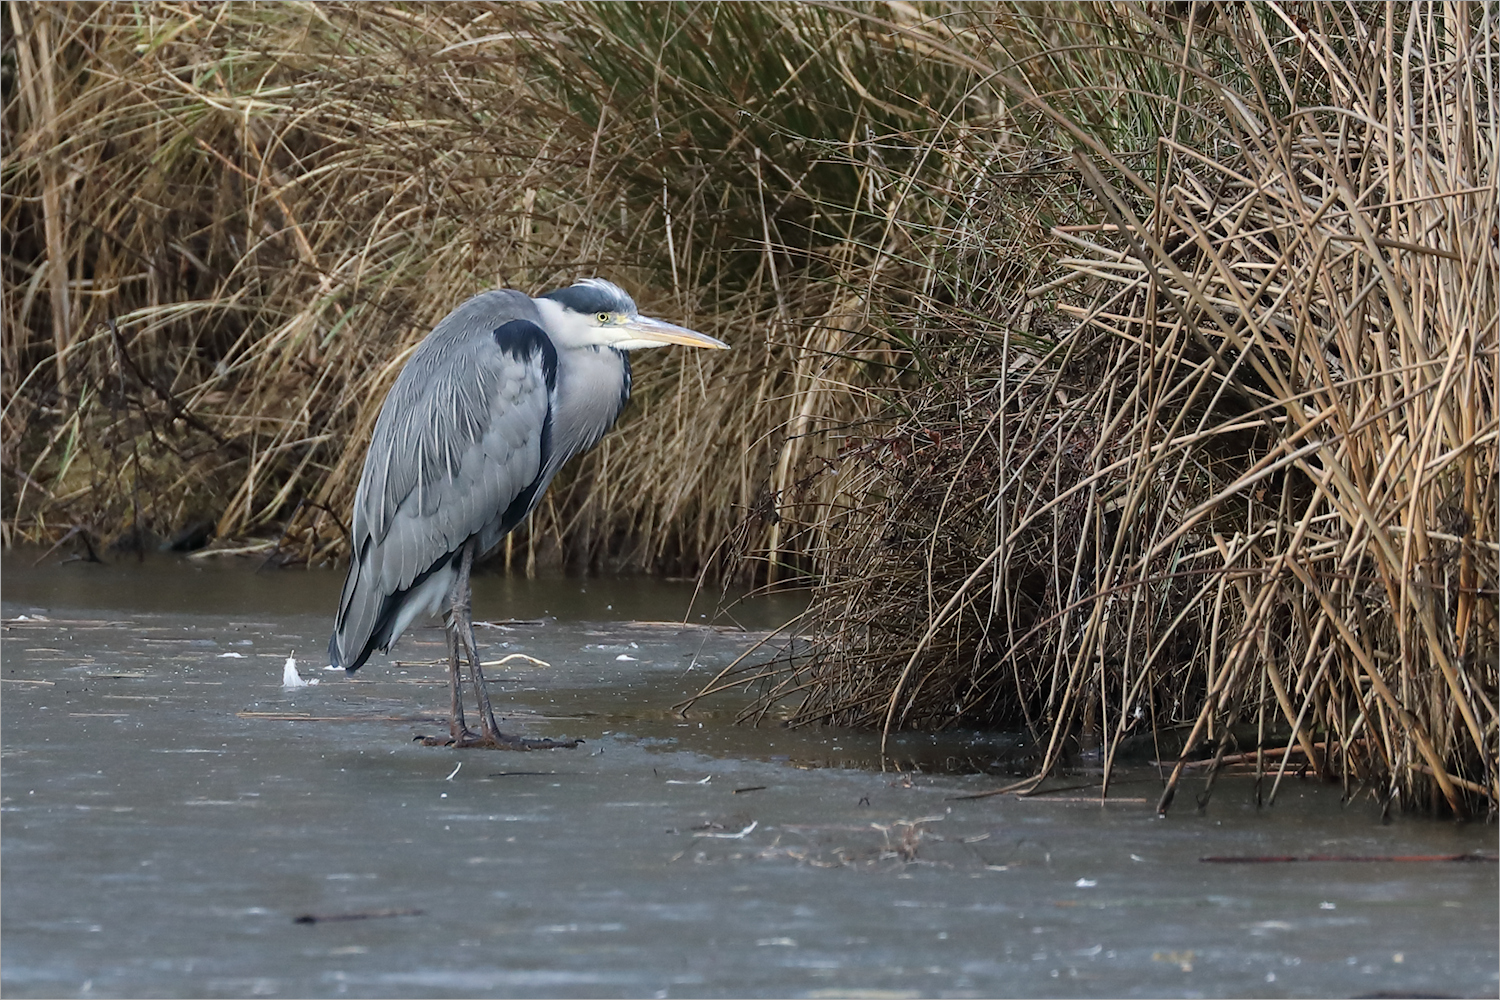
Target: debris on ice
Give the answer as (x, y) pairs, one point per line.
(290, 678)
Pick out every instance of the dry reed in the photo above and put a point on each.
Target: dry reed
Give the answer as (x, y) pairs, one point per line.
(226, 226)
(1248, 495)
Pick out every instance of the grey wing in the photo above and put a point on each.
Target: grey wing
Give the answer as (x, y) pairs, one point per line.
(460, 449)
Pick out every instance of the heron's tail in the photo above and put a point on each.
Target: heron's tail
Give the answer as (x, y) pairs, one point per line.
(359, 609)
(371, 617)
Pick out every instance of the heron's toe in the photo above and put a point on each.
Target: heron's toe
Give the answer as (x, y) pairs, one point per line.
(462, 738)
(551, 744)
(500, 741)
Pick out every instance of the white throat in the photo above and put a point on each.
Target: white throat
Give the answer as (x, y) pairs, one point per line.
(567, 328)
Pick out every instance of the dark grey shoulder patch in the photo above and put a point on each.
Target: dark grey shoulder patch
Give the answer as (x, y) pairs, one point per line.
(527, 498)
(525, 342)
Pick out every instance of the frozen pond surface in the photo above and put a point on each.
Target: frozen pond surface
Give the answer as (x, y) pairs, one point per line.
(169, 811)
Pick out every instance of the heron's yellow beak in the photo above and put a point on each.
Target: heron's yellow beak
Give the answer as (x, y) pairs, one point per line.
(654, 331)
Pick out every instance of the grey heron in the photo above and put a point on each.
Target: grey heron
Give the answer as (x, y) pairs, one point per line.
(490, 405)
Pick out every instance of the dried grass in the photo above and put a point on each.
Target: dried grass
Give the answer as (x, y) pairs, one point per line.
(1249, 494)
(272, 203)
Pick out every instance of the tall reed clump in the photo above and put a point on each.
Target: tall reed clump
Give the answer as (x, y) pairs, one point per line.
(1247, 492)
(226, 226)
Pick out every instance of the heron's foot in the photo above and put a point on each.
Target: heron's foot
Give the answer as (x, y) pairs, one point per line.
(458, 737)
(501, 741)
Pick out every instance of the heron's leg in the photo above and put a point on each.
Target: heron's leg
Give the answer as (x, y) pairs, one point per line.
(458, 637)
(463, 609)
(463, 612)
(456, 727)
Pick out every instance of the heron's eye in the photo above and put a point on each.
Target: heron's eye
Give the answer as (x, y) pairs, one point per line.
(603, 318)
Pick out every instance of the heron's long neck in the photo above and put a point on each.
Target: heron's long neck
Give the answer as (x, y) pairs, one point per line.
(593, 385)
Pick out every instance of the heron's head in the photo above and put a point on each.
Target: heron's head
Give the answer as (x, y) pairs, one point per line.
(598, 313)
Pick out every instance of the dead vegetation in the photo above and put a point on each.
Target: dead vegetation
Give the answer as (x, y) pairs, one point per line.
(226, 226)
(1253, 483)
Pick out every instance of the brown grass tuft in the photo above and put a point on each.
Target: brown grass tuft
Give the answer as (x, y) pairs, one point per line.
(1253, 482)
(272, 203)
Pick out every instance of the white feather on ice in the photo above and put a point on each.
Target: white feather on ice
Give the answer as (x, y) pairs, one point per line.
(290, 678)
